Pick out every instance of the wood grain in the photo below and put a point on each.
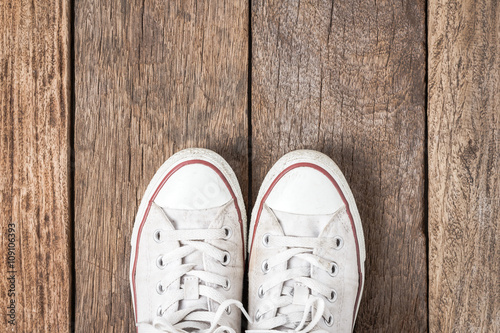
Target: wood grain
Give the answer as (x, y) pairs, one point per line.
(464, 165)
(348, 78)
(34, 164)
(152, 77)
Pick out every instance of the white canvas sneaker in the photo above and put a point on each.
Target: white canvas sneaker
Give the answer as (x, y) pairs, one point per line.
(307, 251)
(187, 259)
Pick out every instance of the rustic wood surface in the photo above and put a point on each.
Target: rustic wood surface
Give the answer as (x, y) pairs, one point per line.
(34, 164)
(348, 79)
(464, 166)
(152, 77)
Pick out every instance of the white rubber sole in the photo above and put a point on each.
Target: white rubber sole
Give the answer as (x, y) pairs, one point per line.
(172, 162)
(325, 162)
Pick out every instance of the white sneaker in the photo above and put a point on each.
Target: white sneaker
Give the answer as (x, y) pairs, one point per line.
(187, 259)
(307, 251)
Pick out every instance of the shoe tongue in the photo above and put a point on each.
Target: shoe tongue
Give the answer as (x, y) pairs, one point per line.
(183, 219)
(302, 225)
(192, 219)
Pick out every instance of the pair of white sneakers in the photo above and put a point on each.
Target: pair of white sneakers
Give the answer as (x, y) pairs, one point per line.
(306, 248)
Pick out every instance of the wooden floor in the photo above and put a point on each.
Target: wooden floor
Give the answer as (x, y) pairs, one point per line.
(403, 95)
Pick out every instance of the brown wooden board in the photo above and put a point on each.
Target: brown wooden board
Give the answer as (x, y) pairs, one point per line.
(152, 77)
(34, 166)
(464, 166)
(348, 78)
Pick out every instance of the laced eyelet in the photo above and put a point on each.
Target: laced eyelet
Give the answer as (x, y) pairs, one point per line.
(228, 310)
(265, 267)
(265, 240)
(160, 289)
(258, 316)
(260, 292)
(157, 236)
(226, 258)
(333, 296)
(227, 232)
(159, 311)
(227, 286)
(329, 321)
(334, 269)
(160, 263)
(339, 242)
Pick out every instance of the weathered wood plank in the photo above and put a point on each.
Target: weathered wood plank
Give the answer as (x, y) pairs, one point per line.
(34, 165)
(464, 165)
(348, 78)
(152, 77)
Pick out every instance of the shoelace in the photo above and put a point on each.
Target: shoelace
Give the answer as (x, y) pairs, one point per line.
(288, 314)
(314, 307)
(197, 317)
(164, 323)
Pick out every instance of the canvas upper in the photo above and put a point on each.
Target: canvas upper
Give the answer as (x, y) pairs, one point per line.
(187, 260)
(306, 250)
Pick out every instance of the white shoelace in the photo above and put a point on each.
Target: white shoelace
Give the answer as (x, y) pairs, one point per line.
(199, 317)
(295, 317)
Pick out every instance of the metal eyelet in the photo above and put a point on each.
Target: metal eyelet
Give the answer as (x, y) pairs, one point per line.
(265, 240)
(157, 236)
(160, 263)
(329, 321)
(227, 286)
(333, 296)
(265, 267)
(258, 316)
(159, 311)
(339, 242)
(260, 292)
(227, 232)
(160, 289)
(228, 310)
(226, 258)
(334, 269)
